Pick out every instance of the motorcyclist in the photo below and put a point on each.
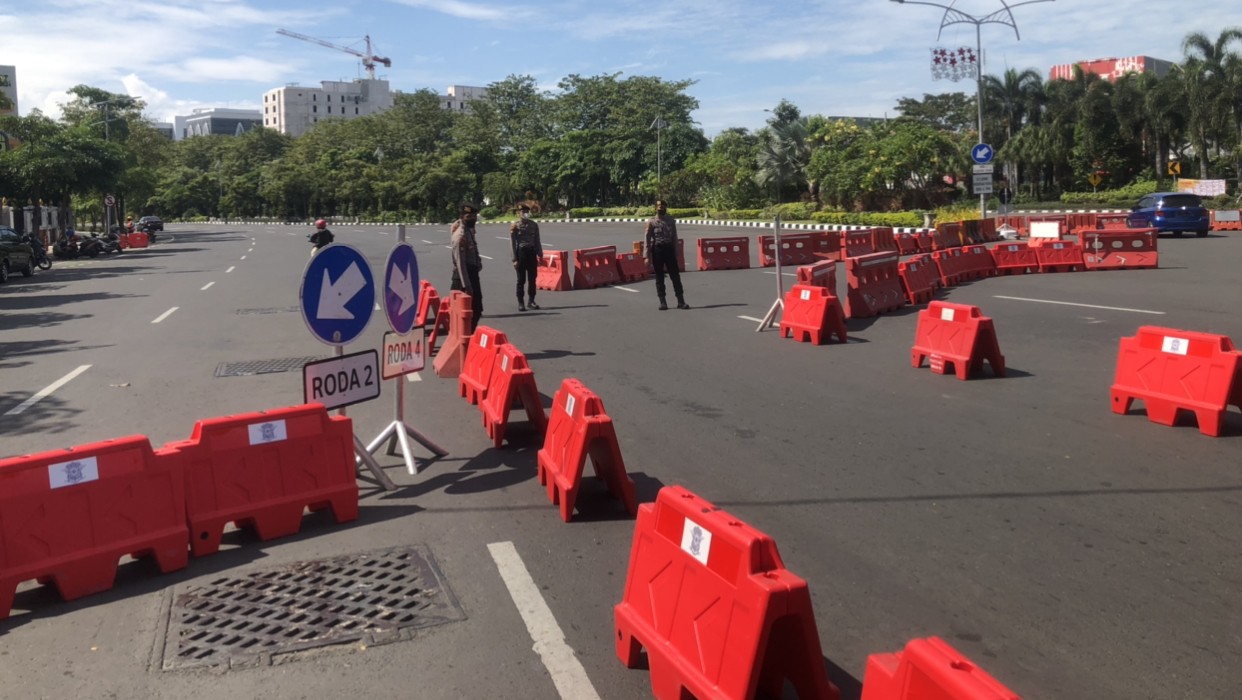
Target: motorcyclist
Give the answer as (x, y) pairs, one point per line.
(129, 224)
(321, 236)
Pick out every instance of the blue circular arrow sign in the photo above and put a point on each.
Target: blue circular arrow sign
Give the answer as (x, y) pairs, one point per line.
(981, 153)
(401, 288)
(338, 294)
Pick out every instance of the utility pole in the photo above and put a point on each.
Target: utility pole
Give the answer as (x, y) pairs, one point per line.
(954, 16)
(658, 124)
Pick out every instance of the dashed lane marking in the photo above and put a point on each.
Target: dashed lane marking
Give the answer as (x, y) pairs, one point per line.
(206, 286)
(45, 392)
(165, 315)
(1086, 306)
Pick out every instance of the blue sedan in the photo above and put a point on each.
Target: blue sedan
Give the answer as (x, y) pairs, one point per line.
(1171, 212)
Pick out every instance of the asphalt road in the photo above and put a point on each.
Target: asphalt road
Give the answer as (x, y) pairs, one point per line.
(1069, 552)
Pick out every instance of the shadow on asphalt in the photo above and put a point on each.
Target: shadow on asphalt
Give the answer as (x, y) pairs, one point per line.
(43, 301)
(554, 354)
(142, 577)
(49, 415)
(44, 319)
(11, 352)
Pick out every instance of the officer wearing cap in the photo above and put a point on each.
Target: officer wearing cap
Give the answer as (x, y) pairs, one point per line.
(466, 261)
(527, 254)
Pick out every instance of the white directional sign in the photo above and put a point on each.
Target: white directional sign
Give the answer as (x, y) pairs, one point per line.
(342, 381)
(983, 183)
(403, 354)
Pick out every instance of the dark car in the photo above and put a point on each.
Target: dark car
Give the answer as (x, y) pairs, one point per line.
(15, 256)
(1171, 212)
(152, 221)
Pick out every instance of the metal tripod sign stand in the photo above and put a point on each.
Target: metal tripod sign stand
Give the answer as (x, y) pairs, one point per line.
(770, 319)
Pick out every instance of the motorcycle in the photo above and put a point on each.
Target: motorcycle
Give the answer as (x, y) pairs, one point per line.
(91, 246)
(148, 229)
(40, 252)
(111, 243)
(66, 249)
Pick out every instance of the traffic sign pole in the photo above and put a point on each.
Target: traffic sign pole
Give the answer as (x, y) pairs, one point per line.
(398, 432)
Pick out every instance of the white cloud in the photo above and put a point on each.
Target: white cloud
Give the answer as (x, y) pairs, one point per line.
(465, 10)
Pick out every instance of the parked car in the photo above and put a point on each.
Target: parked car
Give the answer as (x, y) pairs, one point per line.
(1171, 212)
(15, 255)
(152, 221)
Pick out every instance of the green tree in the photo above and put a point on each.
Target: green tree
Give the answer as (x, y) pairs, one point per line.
(952, 111)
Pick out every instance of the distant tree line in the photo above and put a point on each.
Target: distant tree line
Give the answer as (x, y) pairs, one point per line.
(593, 143)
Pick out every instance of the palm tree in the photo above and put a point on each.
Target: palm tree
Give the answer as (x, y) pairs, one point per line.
(1014, 96)
(1204, 73)
(784, 154)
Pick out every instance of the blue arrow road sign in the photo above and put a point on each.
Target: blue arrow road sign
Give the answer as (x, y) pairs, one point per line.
(338, 294)
(401, 288)
(981, 153)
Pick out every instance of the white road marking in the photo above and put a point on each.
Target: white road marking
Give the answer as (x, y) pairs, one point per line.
(385, 233)
(206, 286)
(229, 270)
(624, 289)
(250, 251)
(1087, 306)
(751, 318)
(377, 308)
(562, 663)
(486, 257)
(166, 314)
(243, 257)
(783, 273)
(21, 408)
(429, 242)
(414, 377)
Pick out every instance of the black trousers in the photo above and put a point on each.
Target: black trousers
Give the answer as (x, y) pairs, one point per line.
(664, 259)
(527, 269)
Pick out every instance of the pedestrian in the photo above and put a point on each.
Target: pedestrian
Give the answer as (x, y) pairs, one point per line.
(466, 261)
(660, 251)
(1006, 199)
(320, 237)
(527, 255)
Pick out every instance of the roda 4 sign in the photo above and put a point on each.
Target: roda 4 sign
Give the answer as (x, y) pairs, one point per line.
(403, 354)
(342, 381)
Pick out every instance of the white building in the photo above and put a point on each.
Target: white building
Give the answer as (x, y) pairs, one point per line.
(218, 120)
(294, 109)
(459, 97)
(8, 86)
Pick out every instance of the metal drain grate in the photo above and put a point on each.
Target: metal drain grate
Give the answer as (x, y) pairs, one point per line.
(244, 369)
(278, 310)
(246, 620)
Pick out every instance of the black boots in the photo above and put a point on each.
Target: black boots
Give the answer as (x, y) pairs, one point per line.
(663, 304)
(532, 303)
(681, 303)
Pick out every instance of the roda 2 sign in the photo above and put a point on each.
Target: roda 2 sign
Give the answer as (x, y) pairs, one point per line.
(342, 381)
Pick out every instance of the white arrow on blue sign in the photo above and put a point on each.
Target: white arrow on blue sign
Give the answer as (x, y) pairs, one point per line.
(981, 153)
(401, 288)
(338, 294)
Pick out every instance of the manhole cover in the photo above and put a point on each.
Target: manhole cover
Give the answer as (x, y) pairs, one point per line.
(278, 310)
(249, 367)
(245, 620)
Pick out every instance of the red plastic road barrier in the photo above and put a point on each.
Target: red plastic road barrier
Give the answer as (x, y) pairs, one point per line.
(882, 239)
(476, 371)
(977, 262)
(929, 669)
(553, 272)
(919, 278)
(1225, 220)
(439, 326)
(139, 240)
(1059, 256)
(796, 248)
(578, 428)
(1015, 259)
(907, 243)
(1110, 221)
(821, 274)
(949, 264)
(712, 603)
(263, 469)
(595, 267)
(731, 253)
(1120, 249)
(631, 267)
(926, 242)
(452, 355)
(828, 245)
(1172, 370)
(959, 335)
(857, 243)
(874, 285)
(987, 229)
(947, 235)
(512, 384)
(812, 314)
(67, 516)
(428, 303)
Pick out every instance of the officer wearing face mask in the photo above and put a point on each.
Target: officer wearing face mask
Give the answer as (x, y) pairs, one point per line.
(466, 261)
(527, 254)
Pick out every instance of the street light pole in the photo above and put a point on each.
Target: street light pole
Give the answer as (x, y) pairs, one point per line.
(658, 124)
(954, 16)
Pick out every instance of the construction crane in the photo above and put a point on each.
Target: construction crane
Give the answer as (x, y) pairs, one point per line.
(368, 59)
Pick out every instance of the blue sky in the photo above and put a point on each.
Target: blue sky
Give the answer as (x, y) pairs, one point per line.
(835, 57)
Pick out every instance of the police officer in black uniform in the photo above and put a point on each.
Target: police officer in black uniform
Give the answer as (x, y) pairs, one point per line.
(527, 254)
(660, 251)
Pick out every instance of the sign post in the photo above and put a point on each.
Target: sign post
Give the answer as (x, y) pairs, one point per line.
(404, 353)
(769, 319)
(982, 154)
(338, 295)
